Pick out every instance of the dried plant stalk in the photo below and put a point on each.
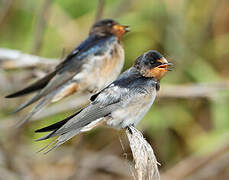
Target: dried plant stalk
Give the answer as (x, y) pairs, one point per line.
(10, 59)
(143, 155)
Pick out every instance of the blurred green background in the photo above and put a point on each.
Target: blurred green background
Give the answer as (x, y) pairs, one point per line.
(188, 125)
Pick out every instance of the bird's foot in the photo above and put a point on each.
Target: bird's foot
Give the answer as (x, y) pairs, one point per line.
(129, 129)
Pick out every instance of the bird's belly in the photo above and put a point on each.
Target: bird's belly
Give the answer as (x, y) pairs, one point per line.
(101, 71)
(132, 113)
(112, 67)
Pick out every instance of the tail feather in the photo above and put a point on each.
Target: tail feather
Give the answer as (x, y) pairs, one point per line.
(40, 105)
(53, 85)
(61, 139)
(46, 136)
(84, 120)
(46, 146)
(26, 104)
(33, 87)
(57, 125)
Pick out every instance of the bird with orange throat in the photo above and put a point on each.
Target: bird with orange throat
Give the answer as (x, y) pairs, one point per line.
(91, 66)
(121, 104)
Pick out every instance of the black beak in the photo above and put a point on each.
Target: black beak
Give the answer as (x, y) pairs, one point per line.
(127, 28)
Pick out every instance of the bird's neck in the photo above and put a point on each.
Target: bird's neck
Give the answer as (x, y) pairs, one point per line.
(140, 73)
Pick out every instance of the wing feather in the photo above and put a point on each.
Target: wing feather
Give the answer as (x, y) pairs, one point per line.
(103, 104)
(66, 70)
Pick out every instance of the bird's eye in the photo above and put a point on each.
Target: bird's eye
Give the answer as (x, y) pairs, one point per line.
(152, 62)
(110, 24)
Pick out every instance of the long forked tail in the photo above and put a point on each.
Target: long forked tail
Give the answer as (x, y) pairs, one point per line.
(57, 92)
(91, 116)
(53, 128)
(54, 96)
(38, 85)
(44, 102)
(64, 136)
(27, 103)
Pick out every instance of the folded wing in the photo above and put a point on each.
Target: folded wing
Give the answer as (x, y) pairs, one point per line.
(65, 71)
(105, 102)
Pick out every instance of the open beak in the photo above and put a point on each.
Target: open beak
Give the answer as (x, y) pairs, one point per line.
(166, 66)
(121, 28)
(126, 28)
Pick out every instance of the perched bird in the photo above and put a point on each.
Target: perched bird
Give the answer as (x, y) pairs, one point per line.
(91, 66)
(121, 104)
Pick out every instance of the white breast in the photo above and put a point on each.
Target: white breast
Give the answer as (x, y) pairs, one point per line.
(133, 111)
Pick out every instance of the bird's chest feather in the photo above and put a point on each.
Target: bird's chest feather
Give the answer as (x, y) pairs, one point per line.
(102, 69)
(133, 110)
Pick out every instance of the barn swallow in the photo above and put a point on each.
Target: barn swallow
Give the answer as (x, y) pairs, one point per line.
(91, 66)
(121, 104)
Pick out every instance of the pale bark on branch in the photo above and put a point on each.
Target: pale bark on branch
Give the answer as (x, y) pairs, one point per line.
(12, 59)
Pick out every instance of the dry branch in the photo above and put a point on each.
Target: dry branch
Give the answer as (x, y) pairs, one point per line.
(100, 9)
(11, 59)
(145, 160)
(200, 167)
(194, 90)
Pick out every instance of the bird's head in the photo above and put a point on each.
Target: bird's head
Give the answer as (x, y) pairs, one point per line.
(109, 27)
(152, 64)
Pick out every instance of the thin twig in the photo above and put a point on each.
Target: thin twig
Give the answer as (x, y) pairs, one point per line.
(100, 9)
(40, 27)
(122, 8)
(5, 10)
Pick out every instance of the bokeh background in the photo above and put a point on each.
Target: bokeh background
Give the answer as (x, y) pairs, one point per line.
(188, 125)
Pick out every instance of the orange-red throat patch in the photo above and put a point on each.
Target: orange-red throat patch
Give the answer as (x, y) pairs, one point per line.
(157, 72)
(119, 30)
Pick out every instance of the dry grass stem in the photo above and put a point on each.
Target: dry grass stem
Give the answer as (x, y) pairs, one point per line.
(146, 164)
